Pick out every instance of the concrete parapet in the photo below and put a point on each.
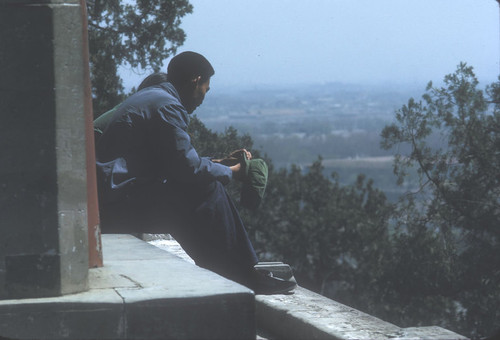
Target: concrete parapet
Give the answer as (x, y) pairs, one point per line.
(307, 315)
(43, 197)
(142, 292)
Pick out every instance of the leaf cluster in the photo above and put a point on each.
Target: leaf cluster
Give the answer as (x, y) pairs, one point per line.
(455, 214)
(335, 237)
(137, 33)
(430, 259)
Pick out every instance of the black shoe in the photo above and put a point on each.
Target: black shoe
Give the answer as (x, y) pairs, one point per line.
(265, 284)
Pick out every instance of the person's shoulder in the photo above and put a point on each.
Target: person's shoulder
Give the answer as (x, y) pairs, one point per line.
(160, 92)
(165, 105)
(157, 103)
(150, 98)
(160, 95)
(169, 89)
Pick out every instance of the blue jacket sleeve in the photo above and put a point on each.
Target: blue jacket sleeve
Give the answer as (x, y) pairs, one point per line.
(182, 163)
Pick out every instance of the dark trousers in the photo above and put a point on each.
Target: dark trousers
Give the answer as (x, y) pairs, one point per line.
(203, 219)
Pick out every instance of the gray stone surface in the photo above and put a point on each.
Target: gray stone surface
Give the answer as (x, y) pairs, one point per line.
(43, 202)
(95, 314)
(429, 332)
(307, 315)
(142, 292)
(172, 246)
(312, 316)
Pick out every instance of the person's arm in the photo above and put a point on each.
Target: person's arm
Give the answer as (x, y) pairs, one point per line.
(179, 158)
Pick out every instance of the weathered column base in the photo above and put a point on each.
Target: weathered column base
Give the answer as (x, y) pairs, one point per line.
(43, 193)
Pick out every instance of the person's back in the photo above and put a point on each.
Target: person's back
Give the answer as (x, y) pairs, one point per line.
(131, 140)
(101, 122)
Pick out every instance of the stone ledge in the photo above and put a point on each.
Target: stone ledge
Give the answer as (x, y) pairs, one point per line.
(142, 292)
(307, 315)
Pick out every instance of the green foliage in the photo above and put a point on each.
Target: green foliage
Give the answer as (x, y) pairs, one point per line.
(213, 144)
(335, 237)
(433, 258)
(137, 33)
(328, 233)
(430, 259)
(331, 235)
(450, 225)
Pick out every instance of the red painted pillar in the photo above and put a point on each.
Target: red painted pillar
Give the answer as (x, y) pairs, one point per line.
(95, 245)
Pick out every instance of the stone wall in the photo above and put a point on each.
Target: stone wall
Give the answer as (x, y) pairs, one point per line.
(43, 194)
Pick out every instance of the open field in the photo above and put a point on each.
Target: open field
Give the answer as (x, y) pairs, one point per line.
(381, 162)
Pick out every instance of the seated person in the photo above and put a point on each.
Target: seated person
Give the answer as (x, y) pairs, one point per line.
(152, 180)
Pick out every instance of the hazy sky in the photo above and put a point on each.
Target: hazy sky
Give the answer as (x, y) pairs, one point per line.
(354, 41)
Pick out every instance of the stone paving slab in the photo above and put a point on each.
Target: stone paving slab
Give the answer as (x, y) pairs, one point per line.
(312, 316)
(70, 316)
(307, 315)
(142, 292)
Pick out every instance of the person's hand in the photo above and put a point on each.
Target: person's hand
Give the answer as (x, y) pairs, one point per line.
(234, 157)
(239, 154)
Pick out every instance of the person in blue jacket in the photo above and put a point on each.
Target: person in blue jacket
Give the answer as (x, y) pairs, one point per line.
(152, 180)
